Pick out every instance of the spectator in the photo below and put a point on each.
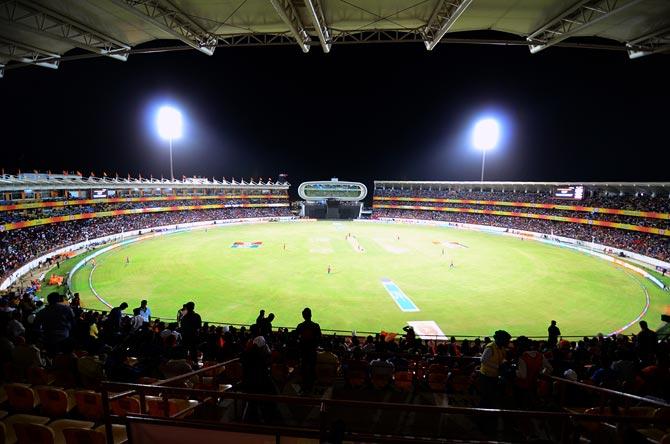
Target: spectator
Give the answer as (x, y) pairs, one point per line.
(554, 332)
(646, 341)
(309, 336)
(56, 322)
(492, 359)
(190, 328)
(137, 320)
(113, 325)
(145, 311)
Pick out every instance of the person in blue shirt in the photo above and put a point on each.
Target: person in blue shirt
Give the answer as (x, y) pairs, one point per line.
(145, 311)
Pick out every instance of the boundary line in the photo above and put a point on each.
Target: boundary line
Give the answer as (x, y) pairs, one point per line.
(90, 285)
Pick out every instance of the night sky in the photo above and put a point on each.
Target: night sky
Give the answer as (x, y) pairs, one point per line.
(359, 113)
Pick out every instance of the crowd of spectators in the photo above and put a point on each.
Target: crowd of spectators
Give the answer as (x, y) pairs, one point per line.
(638, 242)
(43, 212)
(125, 348)
(639, 202)
(643, 243)
(20, 246)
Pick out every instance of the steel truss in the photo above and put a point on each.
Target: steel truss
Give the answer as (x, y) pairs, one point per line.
(654, 43)
(578, 17)
(289, 15)
(442, 19)
(27, 54)
(172, 21)
(35, 18)
(319, 21)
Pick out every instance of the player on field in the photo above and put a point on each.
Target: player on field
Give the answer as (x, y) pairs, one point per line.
(127, 260)
(329, 269)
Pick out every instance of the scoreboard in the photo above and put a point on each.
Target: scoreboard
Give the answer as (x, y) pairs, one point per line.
(570, 192)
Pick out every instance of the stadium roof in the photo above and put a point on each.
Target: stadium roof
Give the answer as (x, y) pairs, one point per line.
(44, 32)
(42, 182)
(625, 187)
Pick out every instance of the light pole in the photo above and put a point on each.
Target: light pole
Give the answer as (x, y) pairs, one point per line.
(485, 137)
(169, 124)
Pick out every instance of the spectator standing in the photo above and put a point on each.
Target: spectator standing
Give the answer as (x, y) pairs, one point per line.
(553, 332)
(646, 342)
(145, 311)
(309, 336)
(190, 329)
(113, 325)
(492, 358)
(56, 321)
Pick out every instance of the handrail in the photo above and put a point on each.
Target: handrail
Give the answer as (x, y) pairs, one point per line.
(162, 382)
(607, 391)
(475, 411)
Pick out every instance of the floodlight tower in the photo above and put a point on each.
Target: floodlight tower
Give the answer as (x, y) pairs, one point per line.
(169, 124)
(485, 137)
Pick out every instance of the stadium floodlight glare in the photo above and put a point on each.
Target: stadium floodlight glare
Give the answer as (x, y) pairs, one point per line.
(169, 127)
(485, 137)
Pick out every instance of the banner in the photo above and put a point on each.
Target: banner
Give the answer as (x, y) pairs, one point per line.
(575, 220)
(649, 214)
(64, 203)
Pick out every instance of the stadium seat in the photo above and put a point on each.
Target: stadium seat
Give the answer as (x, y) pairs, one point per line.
(403, 381)
(280, 373)
(61, 424)
(357, 373)
(39, 376)
(28, 433)
(125, 406)
(89, 404)
(21, 397)
(156, 407)
(326, 373)
(56, 402)
(11, 421)
(95, 436)
(381, 377)
(232, 373)
(437, 377)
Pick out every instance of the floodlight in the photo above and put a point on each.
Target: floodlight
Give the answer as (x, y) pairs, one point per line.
(486, 134)
(169, 123)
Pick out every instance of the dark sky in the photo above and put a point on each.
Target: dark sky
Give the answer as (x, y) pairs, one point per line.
(359, 113)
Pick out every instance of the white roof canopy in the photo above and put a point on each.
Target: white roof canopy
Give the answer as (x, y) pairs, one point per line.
(41, 32)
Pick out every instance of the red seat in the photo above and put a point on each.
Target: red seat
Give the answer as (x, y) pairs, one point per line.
(21, 397)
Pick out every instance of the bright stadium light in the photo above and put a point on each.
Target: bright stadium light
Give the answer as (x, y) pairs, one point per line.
(169, 124)
(485, 136)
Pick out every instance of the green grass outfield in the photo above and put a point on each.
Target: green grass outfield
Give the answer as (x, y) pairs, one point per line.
(497, 281)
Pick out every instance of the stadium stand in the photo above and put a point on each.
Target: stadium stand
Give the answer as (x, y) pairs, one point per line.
(62, 210)
(75, 375)
(632, 217)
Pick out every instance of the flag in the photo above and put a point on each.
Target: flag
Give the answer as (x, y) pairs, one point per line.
(79, 174)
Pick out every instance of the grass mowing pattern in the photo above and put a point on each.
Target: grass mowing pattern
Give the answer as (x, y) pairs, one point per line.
(497, 281)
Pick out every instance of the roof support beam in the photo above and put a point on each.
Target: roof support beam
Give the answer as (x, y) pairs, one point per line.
(33, 17)
(443, 18)
(654, 43)
(172, 21)
(578, 17)
(319, 21)
(289, 15)
(28, 54)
